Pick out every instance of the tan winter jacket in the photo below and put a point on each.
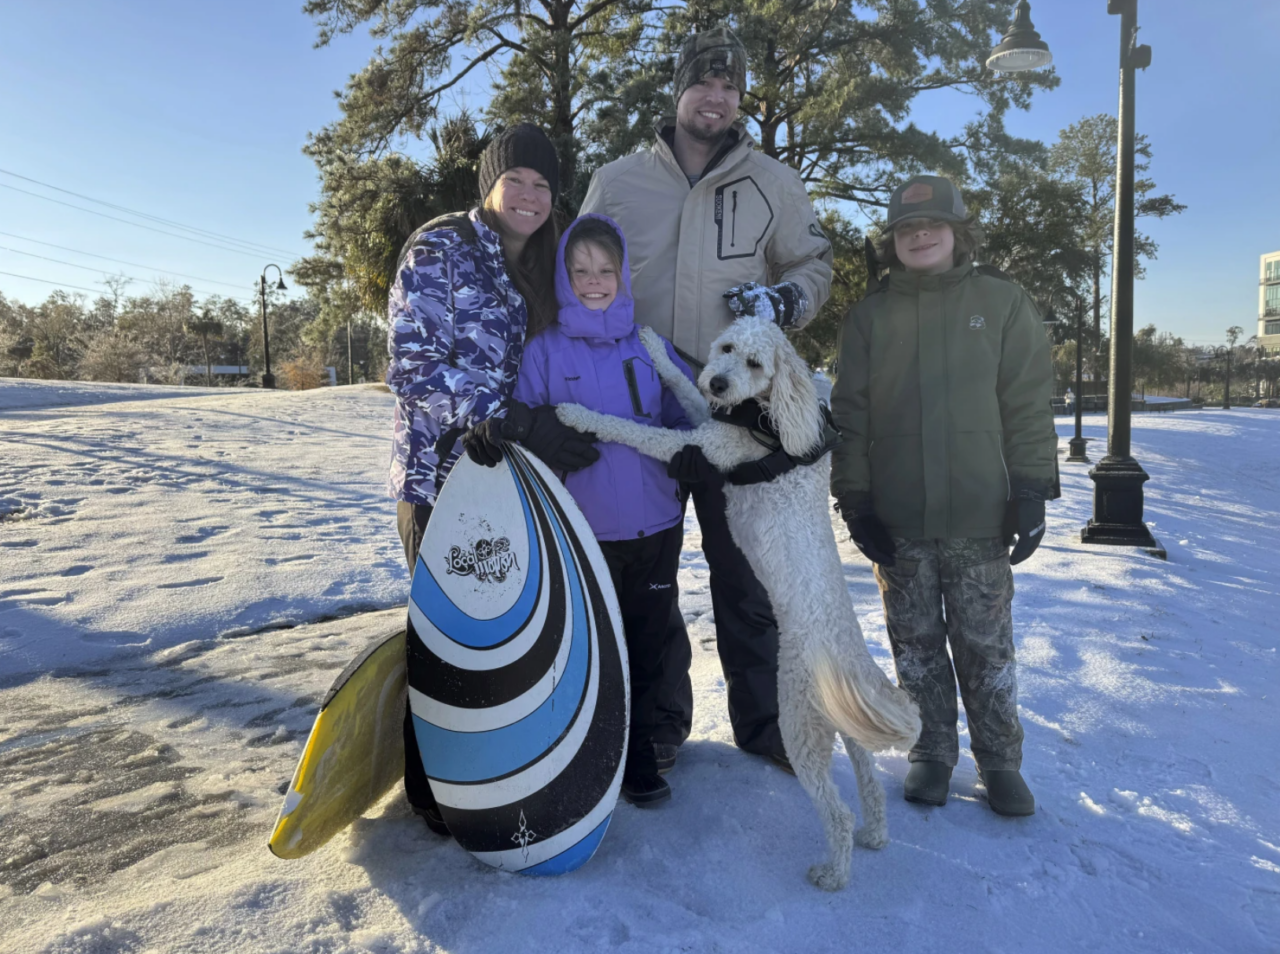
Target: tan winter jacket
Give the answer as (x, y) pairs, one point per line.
(748, 219)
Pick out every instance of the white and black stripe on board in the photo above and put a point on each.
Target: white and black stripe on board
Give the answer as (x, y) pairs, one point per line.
(521, 718)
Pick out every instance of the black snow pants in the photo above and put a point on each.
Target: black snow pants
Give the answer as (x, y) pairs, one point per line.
(746, 639)
(644, 578)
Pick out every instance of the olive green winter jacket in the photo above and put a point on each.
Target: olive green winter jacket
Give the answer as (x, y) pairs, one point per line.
(942, 394)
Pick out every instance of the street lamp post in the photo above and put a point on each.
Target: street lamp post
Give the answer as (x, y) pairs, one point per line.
(1118, 477)
(1076, 449)
(1224, 351)
(268, 379)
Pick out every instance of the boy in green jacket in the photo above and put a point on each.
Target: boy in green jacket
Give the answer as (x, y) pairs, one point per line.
(949, 452)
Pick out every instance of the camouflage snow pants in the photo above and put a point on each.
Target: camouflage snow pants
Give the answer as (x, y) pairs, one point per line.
(958, 592)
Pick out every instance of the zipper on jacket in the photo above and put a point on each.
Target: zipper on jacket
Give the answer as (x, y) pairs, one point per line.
(629, 372)
(1008, 484)
(733, 225)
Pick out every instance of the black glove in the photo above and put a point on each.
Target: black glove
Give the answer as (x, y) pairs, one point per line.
(869, 534)
(784, 304)
(1024, 516)
(691, 468)
(556, 444)
(483, 443)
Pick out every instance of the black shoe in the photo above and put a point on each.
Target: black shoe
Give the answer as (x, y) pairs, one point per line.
(666, 754)
(645, 790)
(1007, 792)
(433, 818)
(927, 783)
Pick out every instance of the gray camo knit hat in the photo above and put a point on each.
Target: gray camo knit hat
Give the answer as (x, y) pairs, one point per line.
(716, 52)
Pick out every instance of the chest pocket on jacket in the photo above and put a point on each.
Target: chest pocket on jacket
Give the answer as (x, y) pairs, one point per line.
(643, 388)
(743, 216)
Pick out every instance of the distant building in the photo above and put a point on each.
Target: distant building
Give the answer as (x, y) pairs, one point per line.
(1269, 301)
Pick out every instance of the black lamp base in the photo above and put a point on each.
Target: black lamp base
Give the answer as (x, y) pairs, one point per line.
(268, 380)
(1076, 451)
(1117, 507)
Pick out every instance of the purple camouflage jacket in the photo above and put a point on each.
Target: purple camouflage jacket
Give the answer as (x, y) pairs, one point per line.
(596, 359)
(456, 338)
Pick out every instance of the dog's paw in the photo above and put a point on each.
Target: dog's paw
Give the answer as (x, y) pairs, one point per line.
(828, 876)
(874, 837)
(653, 343)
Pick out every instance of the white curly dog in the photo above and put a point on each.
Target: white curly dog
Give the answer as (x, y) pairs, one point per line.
(827, 681)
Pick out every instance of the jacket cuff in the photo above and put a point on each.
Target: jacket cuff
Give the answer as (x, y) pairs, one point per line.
(1023, 488)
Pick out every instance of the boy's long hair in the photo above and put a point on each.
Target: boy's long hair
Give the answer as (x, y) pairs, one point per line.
(534, 272)
(969, 239)
(597, 233)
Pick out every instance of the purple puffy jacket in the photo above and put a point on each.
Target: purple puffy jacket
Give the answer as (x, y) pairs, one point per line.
(596, 359)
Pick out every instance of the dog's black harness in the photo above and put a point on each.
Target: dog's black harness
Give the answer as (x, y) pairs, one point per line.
(750, 415)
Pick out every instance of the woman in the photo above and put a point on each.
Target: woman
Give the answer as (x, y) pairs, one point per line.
(470, 289)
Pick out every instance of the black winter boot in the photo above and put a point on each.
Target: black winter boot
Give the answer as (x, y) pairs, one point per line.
(435, 821)
(665, 753)
(645, 789)
(927, 783)
(1007, 793)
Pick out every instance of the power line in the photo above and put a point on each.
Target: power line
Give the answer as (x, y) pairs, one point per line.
(153, 218)
(258, 255)
(103, 271)
(31, 278)
(118, 261)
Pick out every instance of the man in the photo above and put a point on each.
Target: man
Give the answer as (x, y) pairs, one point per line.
(716, 230)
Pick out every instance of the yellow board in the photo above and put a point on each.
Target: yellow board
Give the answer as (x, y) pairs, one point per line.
(354, 754)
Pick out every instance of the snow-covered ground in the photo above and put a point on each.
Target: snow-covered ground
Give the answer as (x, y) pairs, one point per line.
(155, 700)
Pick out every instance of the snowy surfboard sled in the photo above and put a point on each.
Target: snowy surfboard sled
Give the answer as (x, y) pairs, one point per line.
(517, 680)
(517, 668)
(355, 752)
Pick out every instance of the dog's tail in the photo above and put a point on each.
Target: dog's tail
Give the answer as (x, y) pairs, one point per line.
(861, 702)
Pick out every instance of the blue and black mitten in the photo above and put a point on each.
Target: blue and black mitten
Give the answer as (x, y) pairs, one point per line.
(784, 304)
(1024, 518)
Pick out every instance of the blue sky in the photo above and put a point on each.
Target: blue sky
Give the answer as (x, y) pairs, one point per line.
(198, 113)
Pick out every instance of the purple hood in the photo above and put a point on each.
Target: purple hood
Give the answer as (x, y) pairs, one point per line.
(596, 359)
(579, 321)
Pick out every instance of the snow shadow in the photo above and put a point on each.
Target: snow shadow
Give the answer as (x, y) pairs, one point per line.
(726, 857)
(179, 471)
(129, 750)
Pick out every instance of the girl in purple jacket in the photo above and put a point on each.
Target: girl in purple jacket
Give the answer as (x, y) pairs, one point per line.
(593, 356)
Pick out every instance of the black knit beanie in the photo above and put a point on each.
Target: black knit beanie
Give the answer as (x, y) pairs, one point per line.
(521, 145)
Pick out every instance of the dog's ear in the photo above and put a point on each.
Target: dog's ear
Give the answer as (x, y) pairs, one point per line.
(793, 402)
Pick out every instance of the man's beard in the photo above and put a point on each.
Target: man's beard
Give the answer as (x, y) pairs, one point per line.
(702, 135)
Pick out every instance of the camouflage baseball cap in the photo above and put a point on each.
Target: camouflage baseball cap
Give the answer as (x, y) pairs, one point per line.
(926, 197)
(717, 52)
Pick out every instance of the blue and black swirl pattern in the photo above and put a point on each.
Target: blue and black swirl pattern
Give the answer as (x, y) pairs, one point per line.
(521, 720)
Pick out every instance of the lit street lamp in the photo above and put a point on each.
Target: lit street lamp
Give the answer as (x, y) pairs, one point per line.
(1118, 477)
(268, 379)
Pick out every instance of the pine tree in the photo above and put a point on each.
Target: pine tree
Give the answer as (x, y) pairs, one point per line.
(1085, 154)
(370, 205)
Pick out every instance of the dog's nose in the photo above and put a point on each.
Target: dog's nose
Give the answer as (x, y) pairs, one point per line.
(719, 384)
